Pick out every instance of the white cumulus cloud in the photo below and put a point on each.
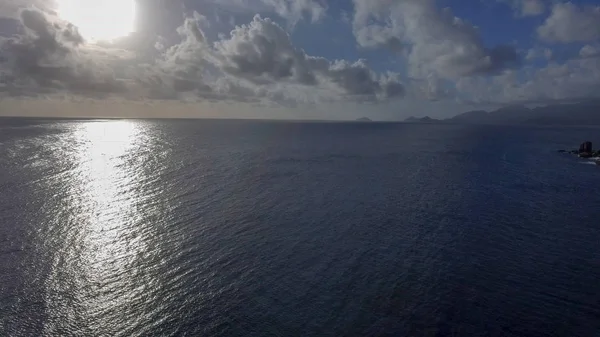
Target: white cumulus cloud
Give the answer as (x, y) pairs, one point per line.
(437, 42)
(571, 23)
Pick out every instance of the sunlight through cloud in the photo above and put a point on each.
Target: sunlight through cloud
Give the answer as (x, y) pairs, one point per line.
(100, 20)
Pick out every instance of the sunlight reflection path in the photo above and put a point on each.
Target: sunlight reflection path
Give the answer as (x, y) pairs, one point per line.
(101, 243)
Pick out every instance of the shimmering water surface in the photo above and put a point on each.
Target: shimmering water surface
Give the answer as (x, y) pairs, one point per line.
(247, 228)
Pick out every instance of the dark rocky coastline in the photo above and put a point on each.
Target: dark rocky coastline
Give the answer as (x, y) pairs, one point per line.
(585, 150)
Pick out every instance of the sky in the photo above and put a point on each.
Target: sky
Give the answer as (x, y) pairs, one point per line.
(299, 59)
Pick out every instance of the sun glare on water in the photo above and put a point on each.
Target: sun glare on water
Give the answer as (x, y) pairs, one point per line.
(103, 20)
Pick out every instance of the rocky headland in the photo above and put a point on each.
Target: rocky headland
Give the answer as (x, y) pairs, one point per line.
(585, 150)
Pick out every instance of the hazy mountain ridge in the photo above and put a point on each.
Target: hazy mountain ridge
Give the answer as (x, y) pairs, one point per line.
(584, 113)
(425, 119)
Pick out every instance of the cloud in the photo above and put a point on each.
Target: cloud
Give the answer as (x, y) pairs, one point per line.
(262, 53)
(12, 8)
(292, 11)
(433, 89)
(256, 63)
(532, 7)
(436, 57)
(575, 79)
(539, 53)
(571, 23)
(524, 8)
(357, 79)
(589, 51)
(180, 68)
(50, 55)
(438, 42)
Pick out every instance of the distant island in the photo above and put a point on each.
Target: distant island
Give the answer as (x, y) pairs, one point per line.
(583, 113)
(364, 119)
(425, 119)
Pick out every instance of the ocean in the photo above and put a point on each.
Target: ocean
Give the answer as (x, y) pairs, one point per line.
(273, 228)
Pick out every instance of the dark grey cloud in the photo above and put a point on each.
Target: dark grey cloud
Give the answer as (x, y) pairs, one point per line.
(357, 79)
(50, 35)
(47, 55)
(500, 58)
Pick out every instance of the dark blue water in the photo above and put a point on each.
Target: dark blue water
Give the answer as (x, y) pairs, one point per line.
(240, 228)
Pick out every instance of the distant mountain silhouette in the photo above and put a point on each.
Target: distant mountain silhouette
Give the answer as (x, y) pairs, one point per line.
(584, 113)
(425, 119)
(364, 119)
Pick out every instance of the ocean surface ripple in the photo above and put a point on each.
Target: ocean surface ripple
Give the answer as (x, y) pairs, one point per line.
(249, 228)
